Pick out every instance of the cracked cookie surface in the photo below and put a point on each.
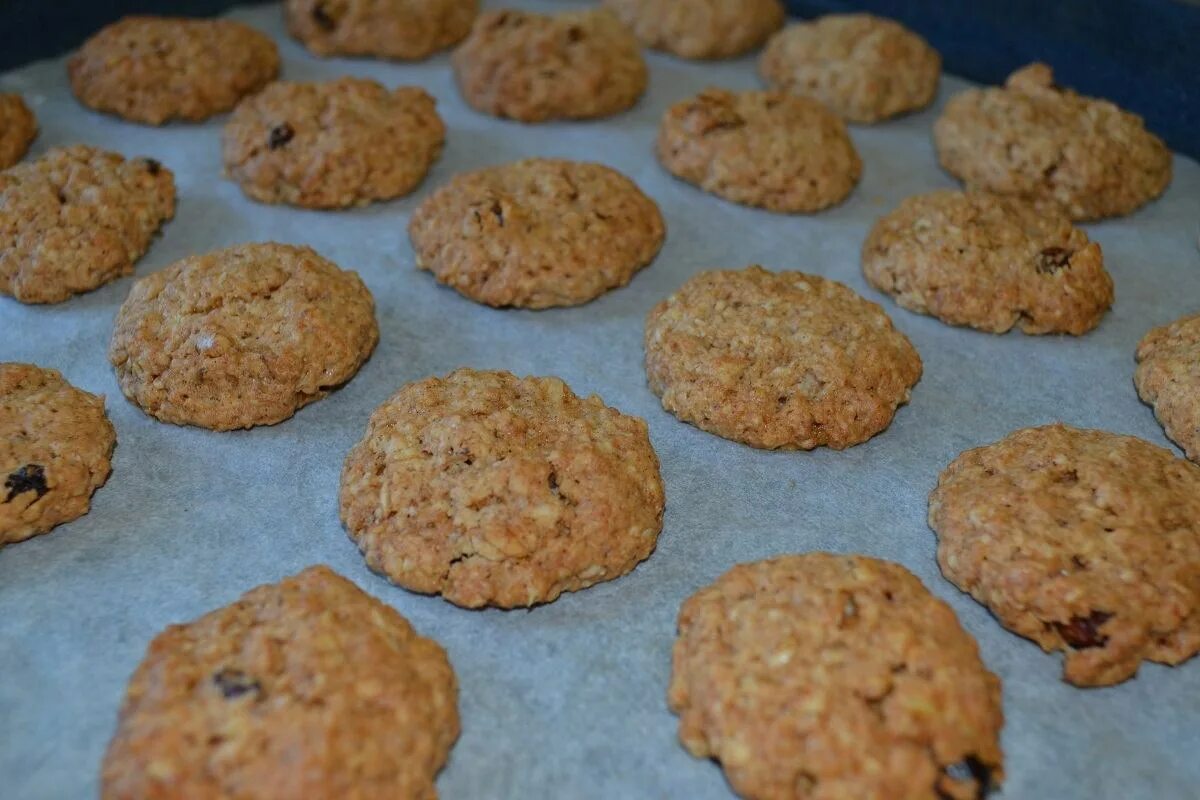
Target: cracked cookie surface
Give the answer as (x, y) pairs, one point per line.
(406, 30)
(332, 144)
(304, 688)
(778, 360)
(829, 676)
(77, 218)
(157, 69)
(241, 337)
(766, 149)
(56, 447)
(536, 233)
(18, 129)
(700, 28)
(990, 262)
(490, 489)
(1168, 378)
(1083, 541)
(536, 67)
(1036, 140)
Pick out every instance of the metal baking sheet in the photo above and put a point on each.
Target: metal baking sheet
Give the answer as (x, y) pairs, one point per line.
(566, 700)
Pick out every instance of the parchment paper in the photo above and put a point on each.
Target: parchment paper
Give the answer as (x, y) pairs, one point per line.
(566, 700)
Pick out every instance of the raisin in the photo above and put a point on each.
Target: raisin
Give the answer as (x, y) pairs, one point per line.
(967, 769)
(235, 683)
(153, 167)
(322, 18)
(280, 135)
(552, 481)
(29, 478)
(1052, 259)
(498, 212)
(574, 34)
(1084, 632)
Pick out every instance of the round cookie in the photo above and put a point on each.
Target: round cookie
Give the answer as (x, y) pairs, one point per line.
(18, 129)
(304, 688)
(77, 218)
(830, 676)
(332, 144)
(778, 360)
(766, 149)
(535, 67)
(490, 489)
(536, 233)
(1083, 541)
(1168, 378)
(55, 448)
(156, 69)
(865, 68)
(241, 337)
(406, 30)
(990, 262)
(1046, 144)
(700, 28)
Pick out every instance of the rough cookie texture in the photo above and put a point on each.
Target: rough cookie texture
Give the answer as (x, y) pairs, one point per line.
(765, 149)
(534, 67)
(700, 28)
(55, 448)
(400, 29)
(18, 129)
(495, 490)
(990, 262)
(537, 233)
(156, 69)
(1047, 144)
(820, 676)
(332, 144)
(242, 336)
(865, 68)
(77, 218)
(1168, 378)
(1083, 541)
(304, 688)
(778, 360)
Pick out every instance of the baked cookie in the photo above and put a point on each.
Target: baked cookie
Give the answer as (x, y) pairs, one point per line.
(766, 149)
(18, 129)
(332, 144)
(535, 67)
(1168, 378)
(490, 489)
(830, 676)
(1081, 540)
(990, 262)
(241, 337)
(304, 688)
(55, 448)
(866, 68)
(536, 233)
(77, 218)
(778, 360)
(156, 69)
(1046, 144)
(407, 30)
(700, 28)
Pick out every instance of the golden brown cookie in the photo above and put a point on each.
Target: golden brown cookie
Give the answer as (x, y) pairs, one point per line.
(332, 144)
(55, 448)
(406, 30)
(865, 68)
(18, 129)
(700, 28)
(828, 676)
(490, 489)
(535, 67)
(1044, 143)
(778, 360)
(1168, 378)
(77, 218)
(990, 262)
(156, 69)
(241, 337)
(536, 233)
(306, 688)
(1083, 541)
(766, 149)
